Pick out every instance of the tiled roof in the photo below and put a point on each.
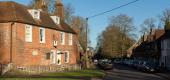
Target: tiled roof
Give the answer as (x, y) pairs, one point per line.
(143, 47)
(14, 12)
(166, 35)
(159, 33)
(66, 27)
(46, 21)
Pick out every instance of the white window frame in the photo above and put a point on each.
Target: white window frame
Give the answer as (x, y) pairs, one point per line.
(68, 57)
(70, 39)
(62, 38)
(55, 19)
(43, 35)
(28, 33)
(54, 43)
(59, 56)
(53, 57)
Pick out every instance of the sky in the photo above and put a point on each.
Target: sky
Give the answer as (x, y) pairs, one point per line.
(139, 11)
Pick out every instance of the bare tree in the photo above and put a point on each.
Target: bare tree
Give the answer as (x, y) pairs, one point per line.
(34, 4)
(69, 13)
(126, 27)
(148, 25)
(116, 38)
(124, 22)
(37, 4)
(165, 18)
(79, 25)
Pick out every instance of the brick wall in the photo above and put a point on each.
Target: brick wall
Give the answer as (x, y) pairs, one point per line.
(5, 42)
(22, 52)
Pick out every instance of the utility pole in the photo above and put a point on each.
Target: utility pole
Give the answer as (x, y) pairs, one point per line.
(86, 54)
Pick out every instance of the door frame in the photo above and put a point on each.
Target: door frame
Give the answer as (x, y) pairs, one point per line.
(58, 57)
(53, 57)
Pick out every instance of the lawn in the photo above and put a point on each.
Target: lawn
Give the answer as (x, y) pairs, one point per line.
(76, 75)
(85, 73)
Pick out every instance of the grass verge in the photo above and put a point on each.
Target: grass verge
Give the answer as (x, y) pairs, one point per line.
(72, 75)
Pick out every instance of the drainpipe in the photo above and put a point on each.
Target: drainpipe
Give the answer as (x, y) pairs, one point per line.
(11, 43)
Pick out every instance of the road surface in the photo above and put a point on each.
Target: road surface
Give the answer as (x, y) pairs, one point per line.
(122, 72)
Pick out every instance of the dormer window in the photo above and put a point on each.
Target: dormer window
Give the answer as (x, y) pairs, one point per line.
(35, 13)
(56, 19)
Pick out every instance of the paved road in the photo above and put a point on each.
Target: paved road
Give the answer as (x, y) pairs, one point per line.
(121, 72)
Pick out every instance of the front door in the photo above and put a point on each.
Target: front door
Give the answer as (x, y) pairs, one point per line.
(53, 56)
(58, 57)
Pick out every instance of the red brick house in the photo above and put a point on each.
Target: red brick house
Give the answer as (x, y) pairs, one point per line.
(30, 37)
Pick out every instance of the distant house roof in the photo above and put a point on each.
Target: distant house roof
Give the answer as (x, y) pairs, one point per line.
(144, 46)
(159, 33)
(156, 35)
(14, 12)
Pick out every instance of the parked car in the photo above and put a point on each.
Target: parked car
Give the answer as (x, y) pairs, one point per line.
(105, 64)
(117, 61)
(135, 63)
(95, 61)
(129, 63)
(149, 66)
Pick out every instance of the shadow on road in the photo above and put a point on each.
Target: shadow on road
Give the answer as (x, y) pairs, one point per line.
(123, 72)
(123, 67)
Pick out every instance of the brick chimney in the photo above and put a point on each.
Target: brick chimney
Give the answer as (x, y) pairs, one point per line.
(59, 9)
(41, 5)
(44, 6)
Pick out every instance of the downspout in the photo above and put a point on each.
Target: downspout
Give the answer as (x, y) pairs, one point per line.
(11, 43)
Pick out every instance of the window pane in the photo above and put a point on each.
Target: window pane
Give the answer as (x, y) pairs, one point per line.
(70, 39)
(62, 38)
(47, 56)
(28, 33)
(42, 35)
(66, 57)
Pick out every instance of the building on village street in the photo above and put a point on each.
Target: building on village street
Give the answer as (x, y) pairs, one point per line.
(165, 50)
(148, 47)
(153, 47)
(31, 38)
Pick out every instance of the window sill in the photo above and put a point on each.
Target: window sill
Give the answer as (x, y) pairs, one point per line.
(42, 42)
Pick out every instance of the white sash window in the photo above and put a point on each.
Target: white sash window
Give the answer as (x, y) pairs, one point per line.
(66, 57)
(28, 33)
(62, 37)
(42, 35)
(70, 39)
